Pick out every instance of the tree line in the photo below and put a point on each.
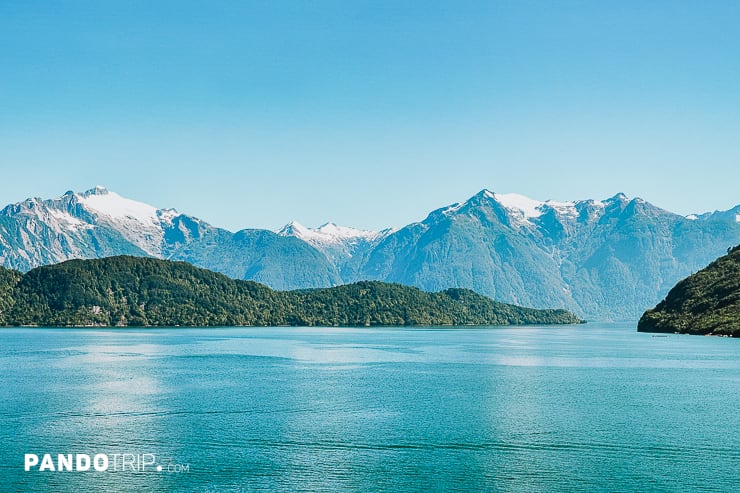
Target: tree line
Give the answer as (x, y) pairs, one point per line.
(135, 291)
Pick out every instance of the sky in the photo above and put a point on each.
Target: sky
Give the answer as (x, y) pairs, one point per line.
(369, 113)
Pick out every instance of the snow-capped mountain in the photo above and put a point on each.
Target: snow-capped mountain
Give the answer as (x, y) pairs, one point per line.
(342, 245)
(99, 223)
(141, 224)
(327, 234)
(82, 225)
(603, 259)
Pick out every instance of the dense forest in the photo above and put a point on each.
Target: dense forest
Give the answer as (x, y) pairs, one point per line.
(134, 291)
(8, 281)
(707, 302)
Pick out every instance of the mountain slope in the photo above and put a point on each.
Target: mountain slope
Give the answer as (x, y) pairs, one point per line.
(344, 247)
(603, 259)
(606, 260)
(471, 246)
(136, 291)
(38, 232)
(99, 223)
(263, 256)
(707, 302)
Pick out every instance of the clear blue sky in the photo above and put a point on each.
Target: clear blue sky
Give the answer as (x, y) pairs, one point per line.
(370, 114)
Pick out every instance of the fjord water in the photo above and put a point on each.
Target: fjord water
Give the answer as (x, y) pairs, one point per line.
(579, 408)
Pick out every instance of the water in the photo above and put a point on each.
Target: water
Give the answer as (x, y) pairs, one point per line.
(586, 408)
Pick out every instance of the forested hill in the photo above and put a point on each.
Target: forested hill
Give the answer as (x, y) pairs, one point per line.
(707, 302)
(136, 291)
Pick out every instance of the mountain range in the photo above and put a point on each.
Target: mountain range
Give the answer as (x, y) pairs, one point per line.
(601, 259)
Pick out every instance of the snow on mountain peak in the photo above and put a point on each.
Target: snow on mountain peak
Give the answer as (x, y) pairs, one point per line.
(103, 202)
(326, 233)
(63, 220)
(530, 208)
(294, 228)
(527, 208)
(345, 232)
(140, 223)
(167, 215)
(620, 197)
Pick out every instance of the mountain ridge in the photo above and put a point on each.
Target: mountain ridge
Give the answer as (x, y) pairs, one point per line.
(604, 259)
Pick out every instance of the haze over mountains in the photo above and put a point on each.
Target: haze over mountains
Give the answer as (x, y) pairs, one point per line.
(608, 259)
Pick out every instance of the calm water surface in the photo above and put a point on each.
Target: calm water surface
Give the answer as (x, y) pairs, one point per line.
(587, 408)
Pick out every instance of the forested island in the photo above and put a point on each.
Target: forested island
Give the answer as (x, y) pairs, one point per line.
(128, 291)
(707, 302)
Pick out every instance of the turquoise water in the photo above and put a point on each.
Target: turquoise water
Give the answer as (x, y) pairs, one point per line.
(585, 408)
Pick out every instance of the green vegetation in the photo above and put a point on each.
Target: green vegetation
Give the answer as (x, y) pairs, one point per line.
(378, 303)
(135, 291)
(707, 302)
(8, 280)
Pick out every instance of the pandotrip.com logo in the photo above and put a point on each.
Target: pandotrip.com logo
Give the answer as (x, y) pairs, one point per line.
(121, 463)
